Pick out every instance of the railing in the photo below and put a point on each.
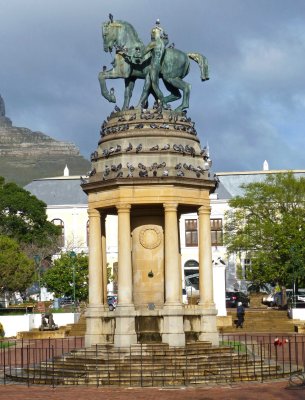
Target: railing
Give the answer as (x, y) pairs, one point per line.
(65, 361)
(21, 354)
(287, 350)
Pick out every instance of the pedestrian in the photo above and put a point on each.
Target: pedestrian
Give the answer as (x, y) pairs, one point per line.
(240, 315)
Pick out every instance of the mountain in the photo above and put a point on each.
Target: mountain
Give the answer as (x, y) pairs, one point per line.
(26, 155)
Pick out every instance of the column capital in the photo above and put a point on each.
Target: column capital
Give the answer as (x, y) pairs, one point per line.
(170, 206)
(204, 210)
(92, 212)
(123, 207)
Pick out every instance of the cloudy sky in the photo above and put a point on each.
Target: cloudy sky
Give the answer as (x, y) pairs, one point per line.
(252, 108)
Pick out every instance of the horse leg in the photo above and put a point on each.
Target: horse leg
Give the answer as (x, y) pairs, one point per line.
(186, 89)
(121, 70)
(103, 75)
(174, 93)
(145, 91)
(129, 85)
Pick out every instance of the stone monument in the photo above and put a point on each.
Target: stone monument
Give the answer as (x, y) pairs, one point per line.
(148, 168)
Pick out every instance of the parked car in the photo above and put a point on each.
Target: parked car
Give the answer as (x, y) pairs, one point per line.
(112, 302)
(233, 298)
(272, 299)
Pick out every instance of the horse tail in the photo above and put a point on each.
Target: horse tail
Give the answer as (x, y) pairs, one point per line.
(203, 64)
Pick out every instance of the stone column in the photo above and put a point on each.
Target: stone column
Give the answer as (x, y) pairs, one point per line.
(104, 258)
(208, 329)
(173, 286)
(125, 333)
(173, 332)
(124, 257)
(205, 258)
(95, 307)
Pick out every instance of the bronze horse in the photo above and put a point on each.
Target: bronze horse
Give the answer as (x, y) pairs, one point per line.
(129, 65)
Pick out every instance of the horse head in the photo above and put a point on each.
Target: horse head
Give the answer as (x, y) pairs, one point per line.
(110, 32)
(119, 34)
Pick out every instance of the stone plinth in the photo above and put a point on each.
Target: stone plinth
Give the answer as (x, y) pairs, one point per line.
(148, 169)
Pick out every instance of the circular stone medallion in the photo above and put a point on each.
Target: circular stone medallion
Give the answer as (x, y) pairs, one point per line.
(150, 236)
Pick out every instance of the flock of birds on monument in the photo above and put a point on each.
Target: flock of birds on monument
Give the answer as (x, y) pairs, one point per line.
(156, 169)
(146, 115)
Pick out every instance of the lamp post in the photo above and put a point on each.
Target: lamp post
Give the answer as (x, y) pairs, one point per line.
(37, 263)
(73, 256)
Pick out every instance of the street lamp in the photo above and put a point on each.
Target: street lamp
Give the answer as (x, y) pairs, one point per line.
(37, 263)
(73, 257)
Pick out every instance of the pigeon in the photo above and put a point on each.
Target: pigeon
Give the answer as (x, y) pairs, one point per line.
(178, 166)
(118, 148)
(143, 173)
(165, 172)
(129, 148)
(180, 173)
(105, 153)
(104, 68)
(171, 46)
(155, 173)
(139, 148)
(92, 172)
(120, 174)
(141, 166)
(111, 150)
(130, 167)
(113, 168)
(176, 147)
(164, 126)
(111, 18)
(139, 126)
(119, 166)
(116, 108)
(166, 147)
(132, 117)
(82, 180)
(154, 148)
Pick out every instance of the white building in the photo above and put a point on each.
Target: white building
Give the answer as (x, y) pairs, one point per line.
(67, 207)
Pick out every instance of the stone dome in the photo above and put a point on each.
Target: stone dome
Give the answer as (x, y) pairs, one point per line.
(149, 144)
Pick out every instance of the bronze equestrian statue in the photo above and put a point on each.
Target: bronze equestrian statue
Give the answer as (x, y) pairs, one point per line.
(133, 60)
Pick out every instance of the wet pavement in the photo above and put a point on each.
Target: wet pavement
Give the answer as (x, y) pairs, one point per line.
(242, 391)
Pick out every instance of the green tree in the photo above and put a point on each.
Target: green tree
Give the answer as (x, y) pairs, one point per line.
(23, 217)
(59, 277)
(16, 269)
(267, 223)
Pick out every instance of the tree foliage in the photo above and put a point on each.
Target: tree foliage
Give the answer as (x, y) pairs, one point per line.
(268, 224)
(23, 217)
(59, 277)
(16, 269)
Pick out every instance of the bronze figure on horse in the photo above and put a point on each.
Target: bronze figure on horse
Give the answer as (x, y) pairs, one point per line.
(131, 63)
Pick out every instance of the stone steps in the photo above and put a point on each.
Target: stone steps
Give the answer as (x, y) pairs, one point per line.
(149, 365)
(271, 321)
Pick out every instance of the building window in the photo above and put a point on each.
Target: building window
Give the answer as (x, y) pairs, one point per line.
(60, 222)
(191, 233)
(247, 267)
(216, 232)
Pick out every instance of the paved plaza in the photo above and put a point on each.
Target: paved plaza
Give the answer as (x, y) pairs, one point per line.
(253, 391)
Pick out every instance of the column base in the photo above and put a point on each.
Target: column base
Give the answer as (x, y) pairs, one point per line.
(173, 332)
(125, 332)
(208, 328)
(98, 329)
